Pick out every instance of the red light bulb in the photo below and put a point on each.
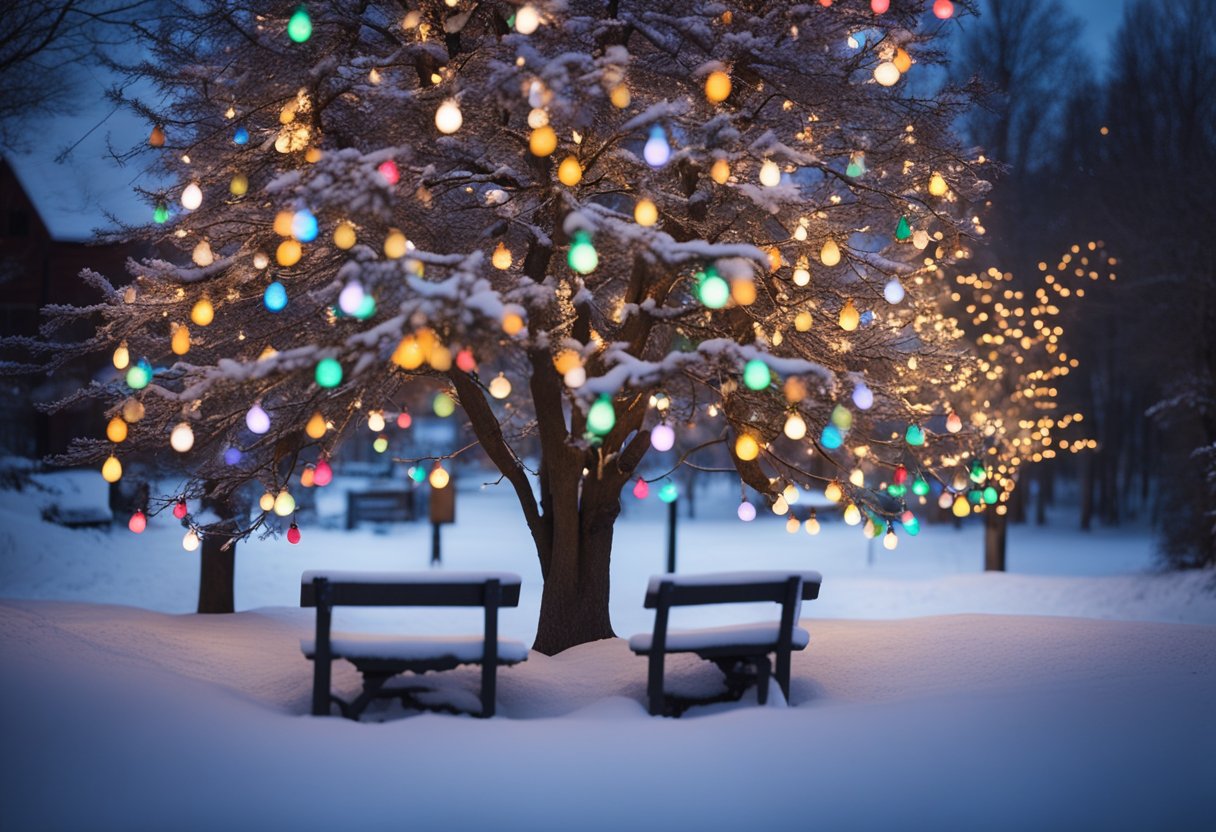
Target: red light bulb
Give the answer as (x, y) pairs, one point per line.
(323, 475)
(179, 509)
(465, 362)
(404, 420)
(389, 171)
(138, 522)
(293, 534)
(944, 9)
(901, 475)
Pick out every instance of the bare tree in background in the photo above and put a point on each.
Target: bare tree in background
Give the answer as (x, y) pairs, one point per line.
(44, 47)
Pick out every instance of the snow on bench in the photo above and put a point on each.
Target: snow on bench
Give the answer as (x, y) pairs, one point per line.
(741, 652)
(381, 657)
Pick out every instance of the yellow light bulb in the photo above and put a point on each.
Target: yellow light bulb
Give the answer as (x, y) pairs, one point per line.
(937, 184)
(282, 223)
(743, 291)
(812, 525)
(746, 447)
(566, 360)
(395, 244)
(122, 356)
(512, 323)
(569, 172)
(439, 478)
(316, 426)
(961, 507)
(284, 504)
(180, 342)
(852, 515)
(202, 313)
(829, 255)
(803, 321)
(501, 258)
(849, 316)
(266, 501)
(833, 492)
(288, 253)
(116, 430)
(409, 354)
(720, 172)
(500, 387)
(344, 235)
(645, 212)
(717, 86)
(111, 469)
(620, 97)
(543, 141)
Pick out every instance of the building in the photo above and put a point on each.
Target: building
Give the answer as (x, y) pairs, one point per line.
(37, 268)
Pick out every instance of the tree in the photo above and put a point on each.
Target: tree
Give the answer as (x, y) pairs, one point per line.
(1014, 397)
(44, 44)
(1158, 165)
(740, 211)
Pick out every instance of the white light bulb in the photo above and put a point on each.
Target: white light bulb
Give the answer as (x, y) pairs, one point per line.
(257, 419)
(863, 396)
(190, 541)
(192, 196)
(663, 437)
(500, 387)
(747, 512)
(351, 297)
(886, 73)
(182, 438)
(795, 427)
(657, 151)
(770, 174)
(527, 20)
(448, 117)
(893, 291)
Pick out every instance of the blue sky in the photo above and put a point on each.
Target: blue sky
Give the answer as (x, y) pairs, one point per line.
(74, 196)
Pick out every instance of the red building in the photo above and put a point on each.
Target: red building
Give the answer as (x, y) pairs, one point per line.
(36, 268)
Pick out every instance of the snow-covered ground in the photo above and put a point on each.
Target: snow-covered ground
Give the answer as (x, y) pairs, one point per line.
(1062, 695)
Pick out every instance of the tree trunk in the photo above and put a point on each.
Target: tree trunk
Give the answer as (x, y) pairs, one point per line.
(574, 601)
(996, 527)
(217, 566)
(217, 575)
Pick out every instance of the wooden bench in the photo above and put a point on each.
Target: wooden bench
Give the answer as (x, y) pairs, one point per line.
(379, 507)
(741, 651)
(379, 658)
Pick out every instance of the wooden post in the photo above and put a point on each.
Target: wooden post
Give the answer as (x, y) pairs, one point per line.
(322, 656)
(672, 515)
(995, 537)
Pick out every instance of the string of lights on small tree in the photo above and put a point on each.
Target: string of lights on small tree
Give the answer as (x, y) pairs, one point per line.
(580, 225)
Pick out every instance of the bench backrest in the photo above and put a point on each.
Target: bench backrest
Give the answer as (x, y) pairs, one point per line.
(729, 588)
(379, 507)
(408, 589)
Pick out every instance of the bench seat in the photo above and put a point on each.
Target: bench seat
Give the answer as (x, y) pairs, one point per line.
(761, 636)
(462, 649)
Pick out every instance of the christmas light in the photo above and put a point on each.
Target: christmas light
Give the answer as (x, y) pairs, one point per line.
(657, 151)
(720, 171)
(122, 356)
(328, 373)
(500, 387)
(293, 534)
(641, 489)
(275, 297)
(914, 436)
(192, 196)
(138, 522)
(943, 9)
(795, 427)
(257, 419)
(501, 258)
(157, 137)
(299, 26)
(645, 212)
(202, 255)
(812, 524)
(316, 427)
(770, 174)
(668, 492)
(582, 256)
(852, 515)
(756, 375)
(442, 405)
(375, 421)
(863, 396)
(288, 253)
(662, 437)
(232, 456)
(850, 318)
(323, 474)
(889, 540)
(139, 375)
(887, 74)
(746, 512)
(543, 141)
(601, 416)
(304, 226)
(954, 423)
(395, 244)
(746, 447)
(111, 469)
(829, 255)
(438, 478)
(880, 6)
(448, 117)
(284, 503)
(902, 230)
(527, 20)
(831, 438)
(180, 509)
(833, 492)
(893, 291)
(344, 235)
(712, 290)
(717, 86)
(937, 185)
(190, 541)
(116, 430)
(240, 135)
(569, 172)
(182, 438)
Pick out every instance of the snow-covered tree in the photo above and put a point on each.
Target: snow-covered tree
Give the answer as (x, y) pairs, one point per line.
(736, 209)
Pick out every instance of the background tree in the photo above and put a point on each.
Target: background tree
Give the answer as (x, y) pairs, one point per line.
(737, 209)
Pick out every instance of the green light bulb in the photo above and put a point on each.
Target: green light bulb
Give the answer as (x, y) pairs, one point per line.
(601, 417)
(915, 436)
(329, 372)
(920, 486)
(756, 375)
(299, 27)
(990, 495)
(582, 257)
(668, 493)
(139, 375)
(161, 213)
(712, 290)
(842, 418)
(443, 405)
(903, 231)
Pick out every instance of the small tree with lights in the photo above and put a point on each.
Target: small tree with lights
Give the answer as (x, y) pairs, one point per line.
(1012, 394)
(557, 215)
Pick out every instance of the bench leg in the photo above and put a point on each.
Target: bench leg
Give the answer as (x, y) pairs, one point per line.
(764, 671)
(489, 688)
(654, 685)
(783, 673)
